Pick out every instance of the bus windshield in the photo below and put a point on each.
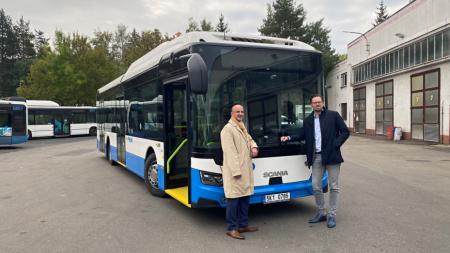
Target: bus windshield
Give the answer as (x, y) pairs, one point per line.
(273, 86)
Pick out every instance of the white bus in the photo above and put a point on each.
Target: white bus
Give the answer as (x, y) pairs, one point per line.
(162, 118)
(13, 121)
(49, 119)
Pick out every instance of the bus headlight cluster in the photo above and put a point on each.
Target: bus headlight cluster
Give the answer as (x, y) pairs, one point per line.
(210, 178)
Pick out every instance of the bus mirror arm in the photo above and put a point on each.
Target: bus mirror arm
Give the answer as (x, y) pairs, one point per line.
(198, 74)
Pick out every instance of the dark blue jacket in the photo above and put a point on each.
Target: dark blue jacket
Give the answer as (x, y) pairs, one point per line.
(334, 133)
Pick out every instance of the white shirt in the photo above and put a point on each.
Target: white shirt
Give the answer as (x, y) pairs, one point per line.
(317, 133)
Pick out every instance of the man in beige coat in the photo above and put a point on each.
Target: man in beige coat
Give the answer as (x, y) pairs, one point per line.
(238, 149)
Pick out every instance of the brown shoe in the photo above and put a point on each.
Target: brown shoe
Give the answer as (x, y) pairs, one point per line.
(248, 229)
(235, 234)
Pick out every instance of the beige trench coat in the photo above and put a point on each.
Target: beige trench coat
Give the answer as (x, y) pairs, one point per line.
(237, 160)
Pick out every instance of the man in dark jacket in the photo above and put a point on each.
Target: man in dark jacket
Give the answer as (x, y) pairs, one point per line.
(324, 132)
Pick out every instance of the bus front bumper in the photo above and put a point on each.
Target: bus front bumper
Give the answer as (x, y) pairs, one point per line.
(213, 196)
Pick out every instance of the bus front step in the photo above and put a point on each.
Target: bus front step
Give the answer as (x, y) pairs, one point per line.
(181, 194)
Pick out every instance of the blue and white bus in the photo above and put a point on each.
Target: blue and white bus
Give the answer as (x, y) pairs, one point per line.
(13, 121)
(49, 119)
(162, 118)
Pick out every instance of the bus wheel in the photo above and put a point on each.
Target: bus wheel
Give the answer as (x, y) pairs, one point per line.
(151, 176)
(93, 131)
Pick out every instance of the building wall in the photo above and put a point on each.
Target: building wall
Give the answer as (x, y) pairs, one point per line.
(415, 21)
(336, 93)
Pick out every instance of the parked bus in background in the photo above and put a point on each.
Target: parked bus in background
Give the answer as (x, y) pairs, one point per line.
(13, 121)
(49, 119)
(162, 118)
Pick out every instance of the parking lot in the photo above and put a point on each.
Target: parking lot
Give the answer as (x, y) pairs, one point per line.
(61, 195)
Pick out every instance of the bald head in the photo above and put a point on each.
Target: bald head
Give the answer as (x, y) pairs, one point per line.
(237, 112)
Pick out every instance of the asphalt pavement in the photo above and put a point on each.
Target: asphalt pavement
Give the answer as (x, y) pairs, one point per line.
(61, 195)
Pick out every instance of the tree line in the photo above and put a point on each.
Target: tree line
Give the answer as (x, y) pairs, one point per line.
(75, 66)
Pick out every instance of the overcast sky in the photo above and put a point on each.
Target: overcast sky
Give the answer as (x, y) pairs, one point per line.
(171, 16)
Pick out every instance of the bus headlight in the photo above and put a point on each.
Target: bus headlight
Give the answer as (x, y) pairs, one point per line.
(210, 178)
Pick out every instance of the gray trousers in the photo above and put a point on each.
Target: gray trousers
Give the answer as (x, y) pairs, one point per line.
(333, 175)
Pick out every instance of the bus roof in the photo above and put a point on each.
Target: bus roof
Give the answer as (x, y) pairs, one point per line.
(111, 84)
(41, 103)
(9, 102)
(47, 104)
(153, 57)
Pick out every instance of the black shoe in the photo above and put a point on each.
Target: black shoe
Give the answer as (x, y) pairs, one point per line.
(331, 221)
(318, 218)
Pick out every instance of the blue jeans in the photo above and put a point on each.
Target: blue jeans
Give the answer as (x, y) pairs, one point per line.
(237, 213)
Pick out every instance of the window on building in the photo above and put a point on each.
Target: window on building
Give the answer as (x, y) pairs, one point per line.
(344, 79)
(417, 53)
(431, 48)
(384, 115)
(359, 110)
(446, 43)
(406, 57)
(438, 46)
(428, 49)
(344, 111)
(425, 106)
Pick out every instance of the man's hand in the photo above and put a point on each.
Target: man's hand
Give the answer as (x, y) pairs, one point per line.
(254, 152)
(284, 138)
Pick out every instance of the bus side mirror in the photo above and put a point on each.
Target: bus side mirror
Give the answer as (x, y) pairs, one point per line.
(198, 74)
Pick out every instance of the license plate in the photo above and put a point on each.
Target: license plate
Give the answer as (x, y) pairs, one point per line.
(278, 197)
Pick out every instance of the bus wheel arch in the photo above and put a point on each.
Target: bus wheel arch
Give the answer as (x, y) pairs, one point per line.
(93, 131)
(151, 175)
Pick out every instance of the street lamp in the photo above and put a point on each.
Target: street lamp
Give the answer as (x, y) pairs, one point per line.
(367, 41)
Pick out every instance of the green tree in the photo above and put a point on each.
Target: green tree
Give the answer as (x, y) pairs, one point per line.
(24, 40)
(120, 39)
(286, 20)
(17, 51)
(140, 44)
(41, 45)
(71, 73)
(192, 25)
(206, 25)
(222, 26)
(381, 14)
(7, 55)
(104, 41)
(318, 36)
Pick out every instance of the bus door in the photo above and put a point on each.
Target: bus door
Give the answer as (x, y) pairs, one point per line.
(121, 130)
(61, 124)
(176, 147)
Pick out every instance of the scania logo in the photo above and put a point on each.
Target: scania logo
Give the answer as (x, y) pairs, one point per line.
(279, 173)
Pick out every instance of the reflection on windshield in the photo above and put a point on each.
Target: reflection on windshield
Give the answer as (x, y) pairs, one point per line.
(274, 86)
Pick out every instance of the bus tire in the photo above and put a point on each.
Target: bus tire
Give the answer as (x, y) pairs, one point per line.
(92, 131)
(151, 176)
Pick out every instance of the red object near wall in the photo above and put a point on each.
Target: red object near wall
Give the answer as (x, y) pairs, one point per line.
(390, 132)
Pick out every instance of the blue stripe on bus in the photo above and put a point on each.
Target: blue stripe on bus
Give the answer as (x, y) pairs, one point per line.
(5, 140)
(113, 153)
(9, 140)
(19, 139)
(135, 164)
(161, 175)
(215, 193)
